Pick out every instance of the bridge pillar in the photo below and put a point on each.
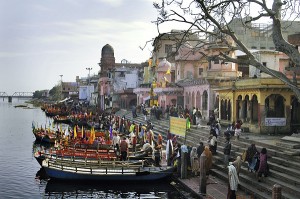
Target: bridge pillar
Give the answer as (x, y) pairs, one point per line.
(9, 98)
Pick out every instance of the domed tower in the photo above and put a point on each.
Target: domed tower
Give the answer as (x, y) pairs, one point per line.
(105, 90)
(107, 60)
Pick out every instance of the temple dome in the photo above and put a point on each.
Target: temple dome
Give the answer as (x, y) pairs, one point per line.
(107, 50)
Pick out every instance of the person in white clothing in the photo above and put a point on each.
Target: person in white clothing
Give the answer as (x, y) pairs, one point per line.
(233, 181)
(116, 142)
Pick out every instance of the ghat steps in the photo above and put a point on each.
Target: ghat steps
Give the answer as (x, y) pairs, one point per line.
(284, 166)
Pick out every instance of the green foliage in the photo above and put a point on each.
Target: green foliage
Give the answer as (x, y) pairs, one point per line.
(55, 92)
(38, 94)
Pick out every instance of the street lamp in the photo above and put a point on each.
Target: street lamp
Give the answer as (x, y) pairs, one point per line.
(89, 69)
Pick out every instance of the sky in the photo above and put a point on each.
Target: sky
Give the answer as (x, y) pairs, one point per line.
(43, 39)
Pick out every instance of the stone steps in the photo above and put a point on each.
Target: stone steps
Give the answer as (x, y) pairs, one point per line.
(284, 168)
(249, 188)
(248, 181)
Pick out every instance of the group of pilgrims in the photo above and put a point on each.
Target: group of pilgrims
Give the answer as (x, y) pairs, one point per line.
(129, 139)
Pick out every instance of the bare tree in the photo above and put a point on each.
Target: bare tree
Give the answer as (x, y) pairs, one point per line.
(211, 20)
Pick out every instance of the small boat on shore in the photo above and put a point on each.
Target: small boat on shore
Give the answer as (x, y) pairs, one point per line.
(20, 106)
(62, 119)
(44, 135)
(105, 170)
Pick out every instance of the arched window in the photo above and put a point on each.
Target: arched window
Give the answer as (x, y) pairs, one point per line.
(229, 110)
(254, 109)
(187, 98)
(204, 100)
(239, 107)
(223, 109)
(193, 100)
(198, 100)
(245, 113)
(217, 102)
(274, 106)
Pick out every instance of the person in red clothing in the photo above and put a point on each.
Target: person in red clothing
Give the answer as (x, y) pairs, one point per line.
(124, 149)
(133, 142)
(238, 129)
(159, 139)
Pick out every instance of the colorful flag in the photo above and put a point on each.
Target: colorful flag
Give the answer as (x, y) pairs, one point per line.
(75, 133)
(92, 136)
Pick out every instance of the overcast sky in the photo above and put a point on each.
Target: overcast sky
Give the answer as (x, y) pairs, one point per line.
(42, 39)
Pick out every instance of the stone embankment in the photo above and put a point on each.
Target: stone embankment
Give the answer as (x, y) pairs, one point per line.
(284, 163)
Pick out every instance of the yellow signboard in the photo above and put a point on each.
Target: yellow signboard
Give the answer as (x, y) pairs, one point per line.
(178, 126)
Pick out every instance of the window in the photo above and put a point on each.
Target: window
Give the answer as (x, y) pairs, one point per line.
(168, 48)
(264, 64)
(200, 71)
(122, 74)
(216, 61)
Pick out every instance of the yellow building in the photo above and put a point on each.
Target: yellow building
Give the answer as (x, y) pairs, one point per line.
(264, 105)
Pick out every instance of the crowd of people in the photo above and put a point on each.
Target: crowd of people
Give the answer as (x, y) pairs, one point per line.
(127, 135)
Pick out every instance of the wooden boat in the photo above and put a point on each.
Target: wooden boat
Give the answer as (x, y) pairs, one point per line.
(104, 170)
(61, 119)
(42, 135)
(76, 154)
(20, 106)
(55, 113)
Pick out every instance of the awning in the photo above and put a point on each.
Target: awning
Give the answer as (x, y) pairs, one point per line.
(66, 99)
(147, 98)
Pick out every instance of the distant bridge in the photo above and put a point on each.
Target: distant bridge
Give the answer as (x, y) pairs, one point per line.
(18, 95)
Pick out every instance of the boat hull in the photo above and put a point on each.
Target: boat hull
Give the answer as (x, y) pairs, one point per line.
(143, 175)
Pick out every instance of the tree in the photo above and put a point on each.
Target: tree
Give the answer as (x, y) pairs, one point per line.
(38, 94)
(55, 92)
(211, 20)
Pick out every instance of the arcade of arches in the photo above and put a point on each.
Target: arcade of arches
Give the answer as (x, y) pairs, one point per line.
(254, 108)
(199, 97)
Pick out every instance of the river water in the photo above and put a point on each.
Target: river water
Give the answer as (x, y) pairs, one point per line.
(19, 170)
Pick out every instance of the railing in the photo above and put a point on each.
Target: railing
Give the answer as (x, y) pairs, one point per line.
(17, 94)
(3, 94)
(95, 167)
(23, 94)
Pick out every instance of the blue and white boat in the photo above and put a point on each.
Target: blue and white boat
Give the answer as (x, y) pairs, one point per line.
(105, 170)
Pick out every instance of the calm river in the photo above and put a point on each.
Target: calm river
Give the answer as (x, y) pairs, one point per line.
(18, 167)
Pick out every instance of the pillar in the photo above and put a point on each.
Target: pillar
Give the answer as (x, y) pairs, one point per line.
(202, 186)
(183, 168)
(276, 191)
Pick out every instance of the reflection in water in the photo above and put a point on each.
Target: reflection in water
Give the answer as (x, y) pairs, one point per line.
(59, 189)
(22, 176)
(87, 189)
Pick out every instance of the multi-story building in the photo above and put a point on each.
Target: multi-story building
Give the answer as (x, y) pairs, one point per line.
(69, 89)
(183, 76)
(231, 92)
(259, 35)
(117, 81)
